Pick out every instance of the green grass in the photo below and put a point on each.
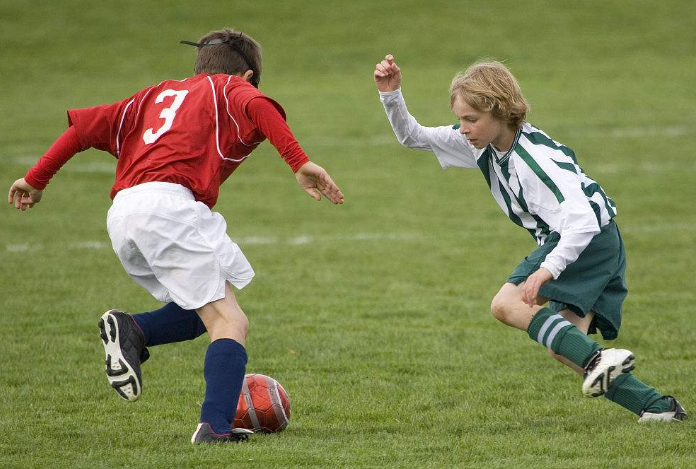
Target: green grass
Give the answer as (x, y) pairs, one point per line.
(373, 315)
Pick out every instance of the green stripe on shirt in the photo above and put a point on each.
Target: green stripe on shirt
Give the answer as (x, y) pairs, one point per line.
(538, 138)
(567, 166)
(484, 165)
(531, 162)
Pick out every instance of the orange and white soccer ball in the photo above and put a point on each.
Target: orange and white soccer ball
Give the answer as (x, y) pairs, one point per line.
(263, 405)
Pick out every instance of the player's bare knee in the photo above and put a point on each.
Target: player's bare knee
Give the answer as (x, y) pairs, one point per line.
(243, 324)
(237, 321)
(500, 308)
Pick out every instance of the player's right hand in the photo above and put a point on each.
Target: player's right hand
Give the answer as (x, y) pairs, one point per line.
(316, 181)
(387, 75)
(23, 196)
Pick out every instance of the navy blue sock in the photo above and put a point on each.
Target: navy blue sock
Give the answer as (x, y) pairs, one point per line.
(225, 364)
(171, 323)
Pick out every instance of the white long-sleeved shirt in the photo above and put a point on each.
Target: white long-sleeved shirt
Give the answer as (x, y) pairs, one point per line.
(537, 182)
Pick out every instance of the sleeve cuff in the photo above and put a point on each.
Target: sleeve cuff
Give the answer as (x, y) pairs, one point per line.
(33, 182)
(295, 166)
(389, 95)
(555, 271)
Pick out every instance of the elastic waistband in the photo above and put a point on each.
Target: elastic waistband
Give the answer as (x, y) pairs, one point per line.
(160, 187)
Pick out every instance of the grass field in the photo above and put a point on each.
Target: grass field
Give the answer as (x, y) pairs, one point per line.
(373, 315)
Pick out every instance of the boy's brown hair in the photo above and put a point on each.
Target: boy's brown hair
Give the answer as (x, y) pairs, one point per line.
(231, 53)
(490, 87)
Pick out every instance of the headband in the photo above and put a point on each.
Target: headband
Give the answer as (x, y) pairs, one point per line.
(231, 41)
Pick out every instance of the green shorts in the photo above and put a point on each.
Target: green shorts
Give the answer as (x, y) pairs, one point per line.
(594, 282)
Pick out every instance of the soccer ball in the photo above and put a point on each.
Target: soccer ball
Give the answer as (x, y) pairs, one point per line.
(263, 405)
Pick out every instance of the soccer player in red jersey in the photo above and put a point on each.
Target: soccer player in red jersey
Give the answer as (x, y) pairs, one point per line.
(176, 143)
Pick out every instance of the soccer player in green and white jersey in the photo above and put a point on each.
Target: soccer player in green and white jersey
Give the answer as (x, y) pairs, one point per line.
(579, 265)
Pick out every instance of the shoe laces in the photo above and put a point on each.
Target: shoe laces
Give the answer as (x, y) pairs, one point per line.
(594, 361)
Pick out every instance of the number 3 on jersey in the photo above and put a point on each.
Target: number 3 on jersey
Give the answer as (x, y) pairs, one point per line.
(168, 114)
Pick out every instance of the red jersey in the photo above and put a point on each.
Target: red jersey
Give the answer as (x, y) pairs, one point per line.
(193, 132)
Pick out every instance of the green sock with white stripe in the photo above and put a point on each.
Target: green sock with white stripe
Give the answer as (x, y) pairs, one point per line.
(553, 331)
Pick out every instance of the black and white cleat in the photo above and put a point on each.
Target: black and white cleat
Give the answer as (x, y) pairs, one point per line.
(124, 346)
(604, 368)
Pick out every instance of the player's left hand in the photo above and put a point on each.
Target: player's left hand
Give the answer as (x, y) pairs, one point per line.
(534, 282)
(316, 181)
(23, 196)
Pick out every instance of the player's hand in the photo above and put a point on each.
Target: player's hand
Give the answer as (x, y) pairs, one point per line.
(316, 181)
(23, 196)
(534, 282)
(387, 75)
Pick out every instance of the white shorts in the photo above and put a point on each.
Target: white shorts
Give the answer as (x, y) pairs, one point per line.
(175, 247)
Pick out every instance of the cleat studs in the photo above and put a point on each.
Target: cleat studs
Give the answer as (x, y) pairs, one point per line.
(112, 328)
(102, 332)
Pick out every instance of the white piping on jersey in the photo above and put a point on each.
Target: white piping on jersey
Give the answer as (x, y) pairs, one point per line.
(227, 108)
(123, 117)
(217, 127)
(142, 100)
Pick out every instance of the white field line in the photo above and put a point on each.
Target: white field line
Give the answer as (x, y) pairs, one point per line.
(644, 167)
(109, 164)
(89, 245)
(462, 236)
(242, 241)
(604, 168)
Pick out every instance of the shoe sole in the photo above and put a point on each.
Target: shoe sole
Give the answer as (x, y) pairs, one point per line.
(203, 434)
(676, 415)
(118, 371)
(666, 417)
(598, 382)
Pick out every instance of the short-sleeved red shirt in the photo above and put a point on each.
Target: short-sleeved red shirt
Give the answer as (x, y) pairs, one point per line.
(194, 132)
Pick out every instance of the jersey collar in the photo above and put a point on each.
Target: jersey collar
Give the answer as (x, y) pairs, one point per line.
(503, 159)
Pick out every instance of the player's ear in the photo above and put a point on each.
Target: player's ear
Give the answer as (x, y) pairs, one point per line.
(247, 75)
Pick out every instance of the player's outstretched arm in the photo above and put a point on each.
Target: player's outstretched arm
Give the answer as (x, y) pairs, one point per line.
(316, 181)
(23, 196)
(387, 75)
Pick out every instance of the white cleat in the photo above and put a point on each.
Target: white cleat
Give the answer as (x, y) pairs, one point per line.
(604, 368)
(676, 413)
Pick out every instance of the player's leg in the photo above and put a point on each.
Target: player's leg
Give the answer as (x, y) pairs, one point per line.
(225, 364)
(583, 325)
(126, 337)
(509, 308)
(555, 332)
(169, 324)
(123, 340)
(632, 394)
(543, 325)
(627, 390)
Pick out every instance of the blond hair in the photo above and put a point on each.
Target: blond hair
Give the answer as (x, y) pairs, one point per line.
(490, 87)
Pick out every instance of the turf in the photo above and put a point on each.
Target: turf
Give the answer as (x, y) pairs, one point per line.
(373, 315)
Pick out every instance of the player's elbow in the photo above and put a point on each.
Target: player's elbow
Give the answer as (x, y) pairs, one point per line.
(405, 140)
